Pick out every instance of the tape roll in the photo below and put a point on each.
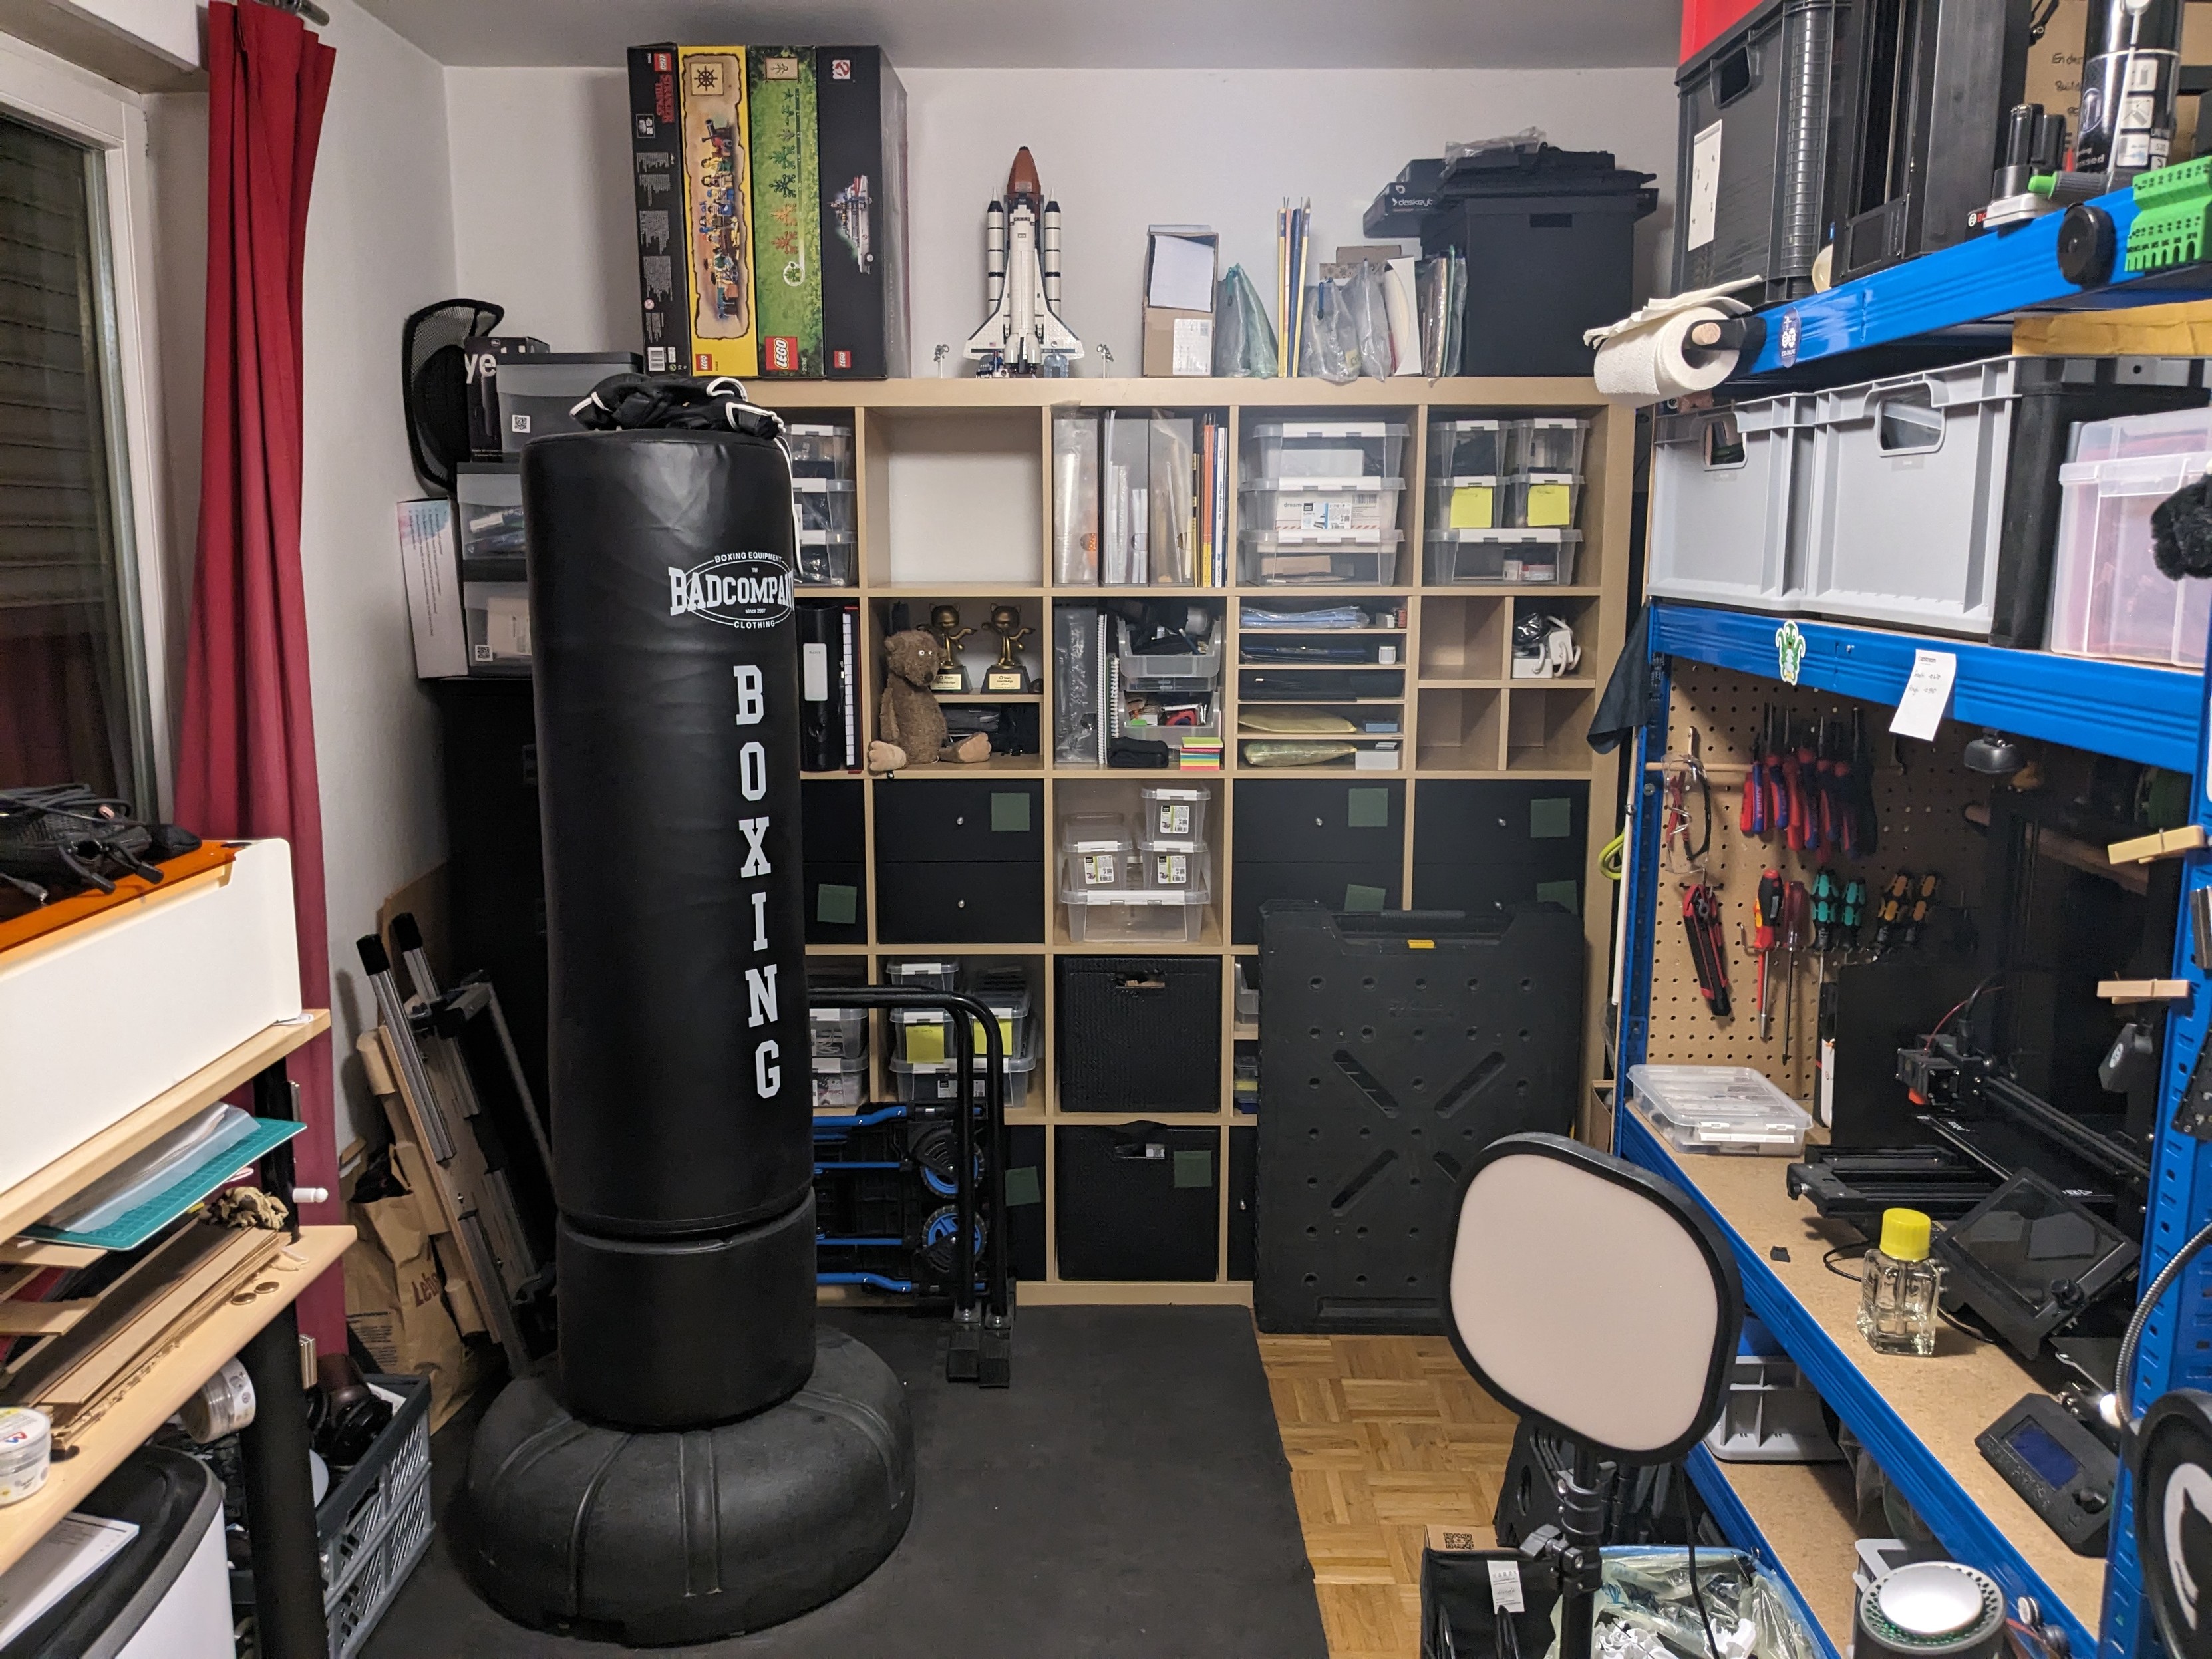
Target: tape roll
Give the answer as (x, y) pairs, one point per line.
(1650, 363)
(224, 1403)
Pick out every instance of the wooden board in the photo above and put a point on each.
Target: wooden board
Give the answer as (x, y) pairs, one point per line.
(29, 1200)
(177, 873)
(1944, 1401)
(1807, 1515)
(172, 1378)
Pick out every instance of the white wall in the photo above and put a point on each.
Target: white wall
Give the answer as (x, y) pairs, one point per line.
(542, 202)
(171, 26)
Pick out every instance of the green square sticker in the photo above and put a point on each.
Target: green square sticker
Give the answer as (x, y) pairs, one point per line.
(839, 905)
(1564, 894)
(1367, 809)
(1010, 810)
(1550, 820)
(1023, 1188)
(1193, 1168)
(1357, 897)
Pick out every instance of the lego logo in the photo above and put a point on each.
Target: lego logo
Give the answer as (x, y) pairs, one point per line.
(703, 362)
(841, 360)
(663, 62)
(783, 353)
(841, 68)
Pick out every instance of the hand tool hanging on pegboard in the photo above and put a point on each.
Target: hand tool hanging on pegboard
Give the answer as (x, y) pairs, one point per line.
(1796, 923)
(1701, 919)
(1775, 795)
(1770, 920)
(1866, 825)
(1750, 820)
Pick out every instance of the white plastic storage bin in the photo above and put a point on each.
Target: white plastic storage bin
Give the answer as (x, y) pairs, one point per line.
(1175, 866)
(923, 1037)
(1098, 869)
(1178, 670)
(1474, 446)
(819, 450)
(923, 1083)
(825, 558)
(1359, 510)
(839, 1033)
(2108, 597)
(1173, 814)
(495, 622)
(924, 975)
(1730, 495)
(1346, 451)
(1543, 501)
(1467, 501)
(824, 504)
(1458, 557)
(1547, 443)
(488, 510)
(1141, 916)
(1720, 1108)
(1290, 559)
(839, 1083)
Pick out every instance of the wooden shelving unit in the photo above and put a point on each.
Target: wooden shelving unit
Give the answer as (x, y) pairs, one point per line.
(951, 507)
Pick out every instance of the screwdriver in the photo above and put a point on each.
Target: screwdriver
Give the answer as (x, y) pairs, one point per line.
(1770, 918)
(1797, 910)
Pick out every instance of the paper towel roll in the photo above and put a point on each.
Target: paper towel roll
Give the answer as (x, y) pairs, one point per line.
(1647, 364)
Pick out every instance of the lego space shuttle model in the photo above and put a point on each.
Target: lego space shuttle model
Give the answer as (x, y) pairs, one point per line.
(1023, 334)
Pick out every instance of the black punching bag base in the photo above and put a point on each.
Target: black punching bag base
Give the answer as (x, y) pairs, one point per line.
(692, 1535)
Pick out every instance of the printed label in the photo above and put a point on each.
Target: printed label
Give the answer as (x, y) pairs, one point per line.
(738, 590)
(1173, 817)
(1704, 184)
(1170, 869)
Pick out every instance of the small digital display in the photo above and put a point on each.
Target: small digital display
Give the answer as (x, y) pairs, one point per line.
(2036, 1449)
(2031, 1237)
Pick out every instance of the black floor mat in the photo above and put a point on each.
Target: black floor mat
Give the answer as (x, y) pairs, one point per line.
(1127, 1498)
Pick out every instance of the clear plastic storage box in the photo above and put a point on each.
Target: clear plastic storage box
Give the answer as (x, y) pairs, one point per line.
(1175, 866)
(1547, 443)
(1543, 501)
(840, 1082)
(1361, 510)
(1462, 556)
(825, 558)
(1136, 916)
(1346, 451)
(1476, 445)
(2108, 597)
(922, 1083)
(819, 450)
(923, 976)
(496, 616)
(1288, 560)
(1176, 671)
(1471, 501)
(1095, 853)
(923, 1037)
(1720, 1108)
(839, 1033)
(1172, 814)
(488, 510)
(824, 504)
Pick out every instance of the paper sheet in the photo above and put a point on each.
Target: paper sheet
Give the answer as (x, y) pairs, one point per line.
(1704, 185)
(74, 1548)
(1183, 275)
(1926, 695)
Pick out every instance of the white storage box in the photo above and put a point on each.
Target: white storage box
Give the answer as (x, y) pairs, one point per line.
(1720, 1108)
(1730, 491)
(98, 1017)
(927, 975)
(1543, 501)
(1172, 814)
(824, 559)
(839, 1033)
(1137, 917)
(840, 1082)
(920, 1083)
(1289, 559)
(1345, 451)
(2108, 597)
(1171, 670)
(819, 450)
(1175, 866)
(1357, 510)
(1547, 443)
(1457, 557)
(496, 619)
(1476, 445)
(1468, 501)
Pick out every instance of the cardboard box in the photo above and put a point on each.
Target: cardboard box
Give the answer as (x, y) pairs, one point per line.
(860, 117)
(1455, 1540)
(2054, 68)
(1178, 339)
(787, 208)
(428, 555)
(718, 191)
(664, 290)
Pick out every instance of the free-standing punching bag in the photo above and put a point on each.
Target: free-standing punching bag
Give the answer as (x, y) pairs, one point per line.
(707, 1462)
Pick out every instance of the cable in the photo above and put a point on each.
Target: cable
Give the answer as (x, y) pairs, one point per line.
(1852, 1251)
(1690, 1540)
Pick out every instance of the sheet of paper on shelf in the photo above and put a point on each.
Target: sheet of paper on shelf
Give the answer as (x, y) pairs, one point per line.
(1926, 695)
(1183, 275)
(74, 1548)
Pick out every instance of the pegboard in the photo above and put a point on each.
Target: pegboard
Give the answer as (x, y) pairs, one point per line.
(1921, 793)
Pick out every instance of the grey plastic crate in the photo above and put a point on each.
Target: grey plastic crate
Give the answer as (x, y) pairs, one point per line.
(1729, 493)
(1770, 1414)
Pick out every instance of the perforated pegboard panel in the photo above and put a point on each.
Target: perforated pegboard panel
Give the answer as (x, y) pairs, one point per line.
(1921, 803)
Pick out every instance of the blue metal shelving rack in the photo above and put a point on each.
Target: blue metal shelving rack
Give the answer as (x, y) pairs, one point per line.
(2155, 716)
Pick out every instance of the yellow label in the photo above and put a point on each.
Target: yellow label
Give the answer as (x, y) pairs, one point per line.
(1550, 506)
(1420, 945)
(1471, 507)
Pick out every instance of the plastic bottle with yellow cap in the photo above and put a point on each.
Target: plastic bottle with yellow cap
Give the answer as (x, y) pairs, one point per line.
(1899, 1285)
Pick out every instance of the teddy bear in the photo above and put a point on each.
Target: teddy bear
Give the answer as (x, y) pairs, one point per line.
(910, 726)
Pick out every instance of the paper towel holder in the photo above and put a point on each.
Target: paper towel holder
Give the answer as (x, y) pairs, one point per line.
(1711, 337)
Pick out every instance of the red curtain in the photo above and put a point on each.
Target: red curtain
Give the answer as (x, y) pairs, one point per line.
(245, 754)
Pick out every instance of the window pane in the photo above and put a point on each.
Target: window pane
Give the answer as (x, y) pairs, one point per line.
(68, 657)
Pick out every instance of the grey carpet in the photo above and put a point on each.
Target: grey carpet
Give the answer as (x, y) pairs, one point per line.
(1127, 1498)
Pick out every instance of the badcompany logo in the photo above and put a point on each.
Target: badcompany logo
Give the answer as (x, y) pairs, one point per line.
(738, 590)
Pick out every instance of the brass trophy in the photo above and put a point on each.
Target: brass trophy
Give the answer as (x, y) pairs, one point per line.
(1006, 674)
(944, 623)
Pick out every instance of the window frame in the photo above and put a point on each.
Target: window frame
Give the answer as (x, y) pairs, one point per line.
(72, 103)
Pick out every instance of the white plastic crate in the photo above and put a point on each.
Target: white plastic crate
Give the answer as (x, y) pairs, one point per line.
(1293, 558)
(352, 1615)
(1175, 866)
(1459, 557)
(1173, 814)
(1136, 918)
(2108, 597)
(1361, 509)
(1340, 449)
(1720, 1108)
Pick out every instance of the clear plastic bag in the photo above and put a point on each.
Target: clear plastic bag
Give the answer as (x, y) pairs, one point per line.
(1368, 301)
(1328, 334)
(1075, 694)
(1529, 139)
(115, 1194)
(1243, 338)
(1440, 297)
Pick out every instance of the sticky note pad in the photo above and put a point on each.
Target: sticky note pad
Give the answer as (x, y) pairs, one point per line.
(1009, 810)
(839, 905)
(1193, 1168)
(1564, 894)
(1024, 1187)
(1367, 809)
(1552, 818)
(1550, 506)
(1473, 506)
(1357, 897)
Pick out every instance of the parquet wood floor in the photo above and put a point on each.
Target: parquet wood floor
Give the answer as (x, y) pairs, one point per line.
(1385, 1435)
